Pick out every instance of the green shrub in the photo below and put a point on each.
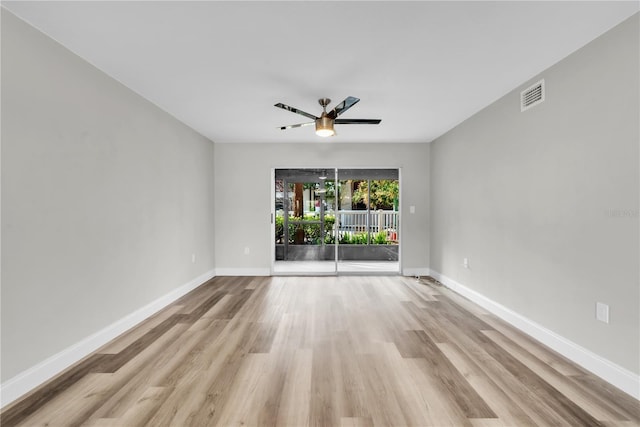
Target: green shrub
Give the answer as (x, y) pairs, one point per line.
(353, 238)
(311, 231)
(380, 238)
(279, 229)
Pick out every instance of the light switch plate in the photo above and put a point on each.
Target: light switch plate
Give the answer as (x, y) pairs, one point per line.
(602, 312)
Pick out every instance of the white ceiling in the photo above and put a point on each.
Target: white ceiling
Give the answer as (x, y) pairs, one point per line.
(420, 66)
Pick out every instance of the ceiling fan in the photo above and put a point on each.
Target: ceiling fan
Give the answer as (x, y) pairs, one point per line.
(324, 123)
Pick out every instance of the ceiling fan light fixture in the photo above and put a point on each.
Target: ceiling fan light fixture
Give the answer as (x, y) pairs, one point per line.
(324, 123)
(324, 126)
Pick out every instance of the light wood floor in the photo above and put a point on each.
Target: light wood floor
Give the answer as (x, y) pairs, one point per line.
(324, 351)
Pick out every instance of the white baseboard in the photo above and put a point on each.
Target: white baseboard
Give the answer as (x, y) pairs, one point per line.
(243, 272)
(614, 374)
(26, 381)
(413, 272)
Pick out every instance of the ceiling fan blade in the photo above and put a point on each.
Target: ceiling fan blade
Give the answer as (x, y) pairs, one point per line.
(299, 125)
(295, 110)
(357, 121)
(349, 102)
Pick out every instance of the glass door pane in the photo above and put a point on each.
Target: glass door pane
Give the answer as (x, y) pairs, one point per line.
(304, 221)
(367, 221)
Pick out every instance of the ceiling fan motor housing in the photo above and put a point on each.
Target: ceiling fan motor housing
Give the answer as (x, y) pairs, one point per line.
(324, 121)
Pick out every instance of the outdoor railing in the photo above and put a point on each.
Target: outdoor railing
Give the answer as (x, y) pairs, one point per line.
(356, 221)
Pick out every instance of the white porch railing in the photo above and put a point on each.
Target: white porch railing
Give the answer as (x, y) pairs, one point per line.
(356, 221)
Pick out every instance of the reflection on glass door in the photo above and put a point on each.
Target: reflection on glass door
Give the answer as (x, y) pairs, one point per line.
(367, 220)
(331, 220)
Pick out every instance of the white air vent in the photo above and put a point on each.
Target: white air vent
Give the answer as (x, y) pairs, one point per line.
(532, 96)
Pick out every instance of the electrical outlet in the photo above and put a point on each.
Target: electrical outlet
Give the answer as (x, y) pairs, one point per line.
(465, 262)
(193, 258)
(246, 250)
(412, 209)
(602, 312)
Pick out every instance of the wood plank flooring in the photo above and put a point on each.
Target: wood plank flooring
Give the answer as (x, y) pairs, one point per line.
(323, 351)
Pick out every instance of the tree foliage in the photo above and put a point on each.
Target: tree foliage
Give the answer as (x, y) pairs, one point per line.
(384, 193)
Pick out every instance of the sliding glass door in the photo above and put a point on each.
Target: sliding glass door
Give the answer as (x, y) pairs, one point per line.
(329, 221)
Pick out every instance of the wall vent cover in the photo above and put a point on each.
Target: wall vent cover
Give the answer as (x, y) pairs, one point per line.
(532, 96)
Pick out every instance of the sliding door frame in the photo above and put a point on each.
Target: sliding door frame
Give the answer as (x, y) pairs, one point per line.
(335, 169)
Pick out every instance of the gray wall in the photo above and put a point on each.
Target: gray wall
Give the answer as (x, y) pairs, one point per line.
(104, 199)
(243, 194)
(545, 203)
